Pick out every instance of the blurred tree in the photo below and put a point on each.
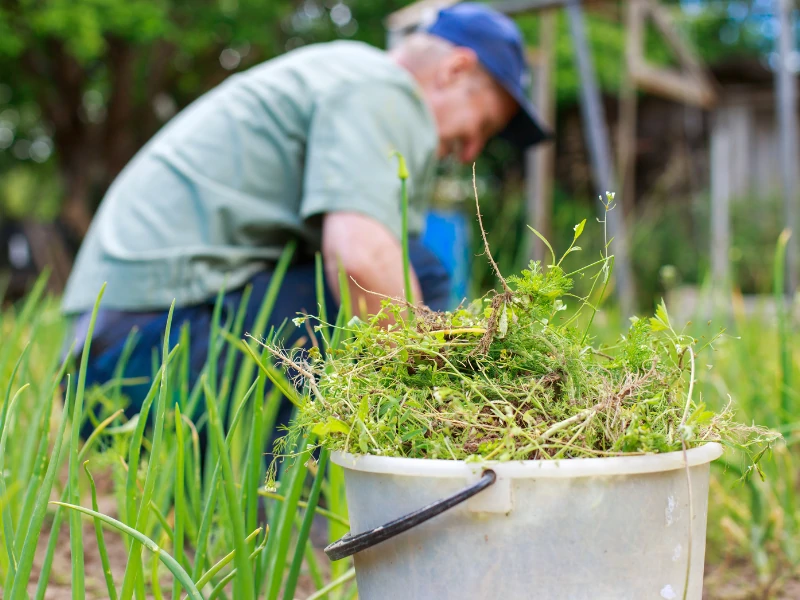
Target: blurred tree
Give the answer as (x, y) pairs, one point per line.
(90, 82)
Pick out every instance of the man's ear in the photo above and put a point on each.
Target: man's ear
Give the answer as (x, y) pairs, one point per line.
(456, 65)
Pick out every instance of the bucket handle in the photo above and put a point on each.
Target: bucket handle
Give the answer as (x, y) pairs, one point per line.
(350, 544)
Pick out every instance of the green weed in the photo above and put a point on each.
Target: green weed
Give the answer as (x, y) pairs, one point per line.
(512, 376)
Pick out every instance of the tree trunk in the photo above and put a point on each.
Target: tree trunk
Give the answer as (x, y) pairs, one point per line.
(119, 139)
(161, 76)
(75, 210)
(49, 251)
(63, 105)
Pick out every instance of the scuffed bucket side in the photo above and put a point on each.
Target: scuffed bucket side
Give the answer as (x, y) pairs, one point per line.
(618, 536)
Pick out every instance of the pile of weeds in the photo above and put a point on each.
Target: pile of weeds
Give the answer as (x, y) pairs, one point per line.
(512, 376)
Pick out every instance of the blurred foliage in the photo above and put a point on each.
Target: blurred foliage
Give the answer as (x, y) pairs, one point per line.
(189, 37)
(671, 243)
(85, 84)
(715, 30)
(65, 63)
(84, 29)
(27, 191)
(606, 41)
(669, 240)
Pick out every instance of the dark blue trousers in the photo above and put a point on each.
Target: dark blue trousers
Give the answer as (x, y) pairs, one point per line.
(297, 295)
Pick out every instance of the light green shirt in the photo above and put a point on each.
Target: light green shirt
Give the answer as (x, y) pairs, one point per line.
(216, 194)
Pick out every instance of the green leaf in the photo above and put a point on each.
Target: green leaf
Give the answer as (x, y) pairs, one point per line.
(101, 543)
(217, 567)
(413, 434)
(75, 529)
(331, 426)
(128, 427)
(579, 230)
(276, 377)
(7, 520)
(133, 570)
(338, 582)
(363, 408)
(404, 417)
(55, 528)
(305, 527)
(40, 509)
(168, 561)
(180, 510)
(277, 551)
(657, 325)
(204, 534)
(546, 243)
(661, 313)
(244, 586)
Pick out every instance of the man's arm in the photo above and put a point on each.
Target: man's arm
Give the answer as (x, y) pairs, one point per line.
(369, 254)
(351, 182)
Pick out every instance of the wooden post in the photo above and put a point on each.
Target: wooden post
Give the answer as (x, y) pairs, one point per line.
(628, 108)
(692, 85)
(540, 161)
(720, 203)
(600, 155)
(787, 119)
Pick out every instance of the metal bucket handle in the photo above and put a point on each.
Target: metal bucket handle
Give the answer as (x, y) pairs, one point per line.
(350, 544)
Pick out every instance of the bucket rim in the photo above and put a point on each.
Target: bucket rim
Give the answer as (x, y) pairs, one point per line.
(531, 469)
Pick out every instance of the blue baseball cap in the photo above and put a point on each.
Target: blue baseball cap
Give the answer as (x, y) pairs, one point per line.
(498, 44)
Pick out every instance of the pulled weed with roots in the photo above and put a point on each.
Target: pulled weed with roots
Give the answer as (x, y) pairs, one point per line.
(513, 376)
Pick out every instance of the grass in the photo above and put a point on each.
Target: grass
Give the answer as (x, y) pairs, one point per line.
(755, 520)
(199, 520)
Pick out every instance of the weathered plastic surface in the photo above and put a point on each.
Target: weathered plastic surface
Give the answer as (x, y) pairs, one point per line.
(598, 528)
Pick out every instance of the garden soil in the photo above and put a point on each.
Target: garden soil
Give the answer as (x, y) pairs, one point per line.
(60, 587)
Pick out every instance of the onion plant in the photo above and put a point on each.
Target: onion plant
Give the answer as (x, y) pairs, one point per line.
(204, 521)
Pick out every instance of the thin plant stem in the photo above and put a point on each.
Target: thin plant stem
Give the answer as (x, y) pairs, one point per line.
(101, 542)
(783, 330)
(402, 173)
(305, 528)
(337, 583)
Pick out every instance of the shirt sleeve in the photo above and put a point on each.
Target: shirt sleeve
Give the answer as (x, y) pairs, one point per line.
(350, 164)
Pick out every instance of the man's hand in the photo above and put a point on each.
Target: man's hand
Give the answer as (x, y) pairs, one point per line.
(369, 254)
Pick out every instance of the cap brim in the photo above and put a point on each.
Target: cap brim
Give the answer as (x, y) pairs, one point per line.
(525, 129)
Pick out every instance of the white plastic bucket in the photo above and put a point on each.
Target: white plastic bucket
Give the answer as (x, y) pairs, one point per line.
(599, 528)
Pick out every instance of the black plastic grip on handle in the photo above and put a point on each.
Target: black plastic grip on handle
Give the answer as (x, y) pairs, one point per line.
(350, 544)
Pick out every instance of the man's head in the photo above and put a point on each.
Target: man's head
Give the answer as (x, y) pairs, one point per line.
(469, 63)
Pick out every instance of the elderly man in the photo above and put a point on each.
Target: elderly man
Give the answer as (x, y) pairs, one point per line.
(299, 148)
